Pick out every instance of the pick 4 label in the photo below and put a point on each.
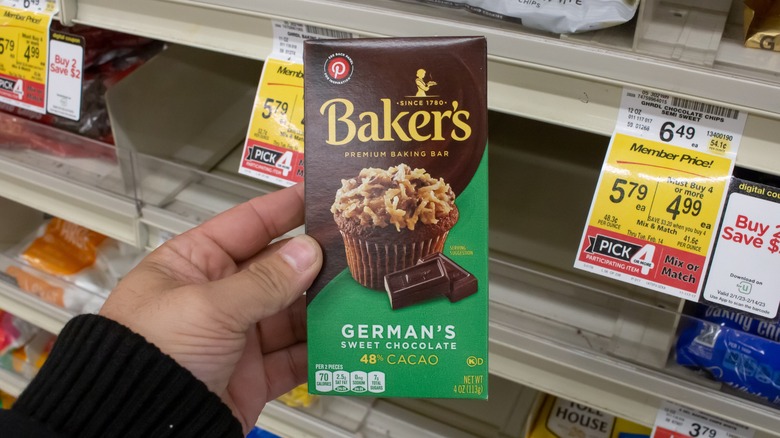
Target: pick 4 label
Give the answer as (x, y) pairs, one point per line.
(660, 193)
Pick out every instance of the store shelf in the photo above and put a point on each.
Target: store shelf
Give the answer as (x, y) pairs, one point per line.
(12, 383)
(86, 188)
(552, 328)
(175, 198)
(47, 302)
(101, 212)
(571, 81)
(32, 309)
(503, 415)
(586, 364)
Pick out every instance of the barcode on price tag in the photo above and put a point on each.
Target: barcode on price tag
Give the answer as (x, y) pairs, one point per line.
(705, 107)
(289, 37)
(677, 421)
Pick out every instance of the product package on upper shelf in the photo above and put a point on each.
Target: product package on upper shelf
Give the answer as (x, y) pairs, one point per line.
(762, 24)
(555, 417)
(570, 16)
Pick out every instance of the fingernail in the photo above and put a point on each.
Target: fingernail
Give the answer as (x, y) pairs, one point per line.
(299, 253)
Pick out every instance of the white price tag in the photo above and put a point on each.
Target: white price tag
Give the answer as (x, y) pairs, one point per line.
(676, 421)
(680, 122)
(743, 274)
(289, 37)
(66, 63)
(43, 6)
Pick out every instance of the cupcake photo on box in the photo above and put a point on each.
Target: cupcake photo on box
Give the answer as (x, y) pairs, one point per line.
(396, 195)
(390, 219)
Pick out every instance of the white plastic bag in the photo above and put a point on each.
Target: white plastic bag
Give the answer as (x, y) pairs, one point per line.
(558, 16)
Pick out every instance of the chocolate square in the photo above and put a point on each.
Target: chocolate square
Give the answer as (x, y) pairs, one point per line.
(423, 281)
(462, 283)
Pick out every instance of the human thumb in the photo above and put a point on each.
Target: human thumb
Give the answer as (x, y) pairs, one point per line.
(270, 283)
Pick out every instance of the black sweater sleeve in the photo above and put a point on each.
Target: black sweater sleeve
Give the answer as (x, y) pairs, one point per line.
(101, 379)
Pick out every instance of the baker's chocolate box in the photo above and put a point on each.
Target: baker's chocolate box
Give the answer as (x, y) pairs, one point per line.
(396, 195)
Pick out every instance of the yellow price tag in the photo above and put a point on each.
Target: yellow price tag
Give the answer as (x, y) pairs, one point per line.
(662, 193)
(24, 42)
(655, 212)
(274, 146)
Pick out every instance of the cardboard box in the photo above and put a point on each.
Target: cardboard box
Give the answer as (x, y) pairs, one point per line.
(396, 194)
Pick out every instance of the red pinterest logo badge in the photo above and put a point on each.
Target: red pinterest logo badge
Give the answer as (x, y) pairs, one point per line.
(338, 68)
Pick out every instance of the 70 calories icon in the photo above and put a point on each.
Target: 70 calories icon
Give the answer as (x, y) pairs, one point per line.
(641, 255)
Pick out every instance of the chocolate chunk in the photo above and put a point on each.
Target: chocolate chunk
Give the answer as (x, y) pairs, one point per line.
(463, 288)
(462, 283)
(423, 281)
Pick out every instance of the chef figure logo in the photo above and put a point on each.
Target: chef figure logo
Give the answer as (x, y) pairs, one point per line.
(422, 85)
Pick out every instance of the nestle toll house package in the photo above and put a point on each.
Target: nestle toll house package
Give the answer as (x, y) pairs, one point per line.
(559, 418)
(396, 195)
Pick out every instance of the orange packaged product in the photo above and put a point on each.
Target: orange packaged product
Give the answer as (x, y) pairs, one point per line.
(29, 359)
(6, 400)
(37, 286)
(64, 248)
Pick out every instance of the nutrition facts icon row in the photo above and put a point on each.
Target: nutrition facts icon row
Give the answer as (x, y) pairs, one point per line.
(344, 381)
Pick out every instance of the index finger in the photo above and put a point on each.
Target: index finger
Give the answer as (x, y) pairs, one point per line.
(247, 228)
